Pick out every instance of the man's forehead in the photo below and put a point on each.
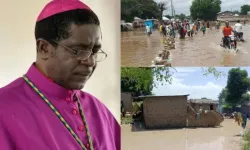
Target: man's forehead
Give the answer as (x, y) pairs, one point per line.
(83, 35)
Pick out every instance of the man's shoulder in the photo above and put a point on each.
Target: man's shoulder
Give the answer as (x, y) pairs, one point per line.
(11, 92)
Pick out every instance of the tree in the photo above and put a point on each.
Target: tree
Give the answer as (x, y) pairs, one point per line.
(238, 84)
(140, 81)
(205, 9)
(139, 8)
(222, 96)
(245, 98)
(182, 16)
(137, 81)
(244, 9)
(162, 7)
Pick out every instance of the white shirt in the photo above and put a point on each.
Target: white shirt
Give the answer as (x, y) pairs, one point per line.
(148, 28)
(238, 27)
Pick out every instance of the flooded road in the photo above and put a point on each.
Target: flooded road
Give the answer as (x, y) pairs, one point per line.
(222, 138)
(139, 50)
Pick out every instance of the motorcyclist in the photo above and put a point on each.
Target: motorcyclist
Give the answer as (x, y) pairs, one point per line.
(238, 30)
(227, 31)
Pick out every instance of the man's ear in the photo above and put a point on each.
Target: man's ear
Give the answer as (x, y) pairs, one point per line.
(42, 47)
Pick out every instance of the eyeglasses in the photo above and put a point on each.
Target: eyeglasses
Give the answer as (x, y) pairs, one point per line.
(84, 54)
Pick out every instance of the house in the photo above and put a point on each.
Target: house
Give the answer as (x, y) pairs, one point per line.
(127, 99)
(165, 111)
(204, 104)
(225, 14)
(138, 22)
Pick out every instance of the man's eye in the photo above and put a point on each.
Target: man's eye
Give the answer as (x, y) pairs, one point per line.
(75, 52)
(95, 50)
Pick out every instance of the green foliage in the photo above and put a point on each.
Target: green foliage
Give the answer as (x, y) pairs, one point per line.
(205, 9)
(145, 9)
(244, 9)
(141, 80)
(222, 96)
(213, 71)
(238, 84)
(246, 138)
(181, 16)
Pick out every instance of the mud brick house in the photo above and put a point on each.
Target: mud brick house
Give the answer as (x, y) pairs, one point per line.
(127, 100)
(165, 111)
(204, 103)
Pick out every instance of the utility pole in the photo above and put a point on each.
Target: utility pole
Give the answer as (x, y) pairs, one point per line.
(172, 9)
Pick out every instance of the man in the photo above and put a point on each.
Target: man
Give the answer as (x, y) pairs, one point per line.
(172, 30)
(227, 31)
(238, 30)
(164, 30)
(217, 25)
(160, 29)
(148, 30)
(46, 109)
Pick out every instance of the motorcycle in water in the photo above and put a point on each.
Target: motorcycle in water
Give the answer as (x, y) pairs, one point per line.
(238, 36)
(229, 42)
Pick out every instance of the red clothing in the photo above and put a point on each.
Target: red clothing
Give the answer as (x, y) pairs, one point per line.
(227, 31)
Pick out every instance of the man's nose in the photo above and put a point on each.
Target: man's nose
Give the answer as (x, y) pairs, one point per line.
(90, 62)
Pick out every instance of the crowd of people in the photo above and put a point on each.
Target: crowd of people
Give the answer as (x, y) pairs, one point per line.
(188, 28)
(183, 28)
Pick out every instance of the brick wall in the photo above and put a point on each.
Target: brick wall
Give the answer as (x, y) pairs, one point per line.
(204, 106)
(127, 100)
(206, 119)
(165, 111)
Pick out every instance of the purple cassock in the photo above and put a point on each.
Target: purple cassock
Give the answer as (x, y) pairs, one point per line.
(28, 123)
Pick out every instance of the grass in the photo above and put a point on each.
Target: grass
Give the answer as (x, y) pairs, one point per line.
(246, 145)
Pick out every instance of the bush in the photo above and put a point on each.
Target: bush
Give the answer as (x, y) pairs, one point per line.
(246, 138)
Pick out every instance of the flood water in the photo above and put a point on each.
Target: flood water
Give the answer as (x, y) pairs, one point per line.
(138, 50)
(221, 138)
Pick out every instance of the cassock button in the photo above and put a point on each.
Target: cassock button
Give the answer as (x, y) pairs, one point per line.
(81, 128)
(74, 111)
(68, 99)
(87, 145)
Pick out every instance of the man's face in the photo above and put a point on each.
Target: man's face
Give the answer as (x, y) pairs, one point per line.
(64, 67)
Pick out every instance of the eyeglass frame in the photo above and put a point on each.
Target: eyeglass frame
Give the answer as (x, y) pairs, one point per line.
(77, 54)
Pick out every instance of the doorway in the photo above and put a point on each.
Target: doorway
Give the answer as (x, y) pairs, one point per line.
(211, 107)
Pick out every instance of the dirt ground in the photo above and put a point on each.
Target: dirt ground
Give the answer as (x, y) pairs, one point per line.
(225, 137)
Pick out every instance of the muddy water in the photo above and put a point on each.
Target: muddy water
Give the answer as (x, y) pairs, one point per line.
(223, 138)
(139, 50)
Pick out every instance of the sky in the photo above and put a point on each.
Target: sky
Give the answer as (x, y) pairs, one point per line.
(182, 6)
(190, 80)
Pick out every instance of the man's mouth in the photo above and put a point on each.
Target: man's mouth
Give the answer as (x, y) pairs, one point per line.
(83, 75)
